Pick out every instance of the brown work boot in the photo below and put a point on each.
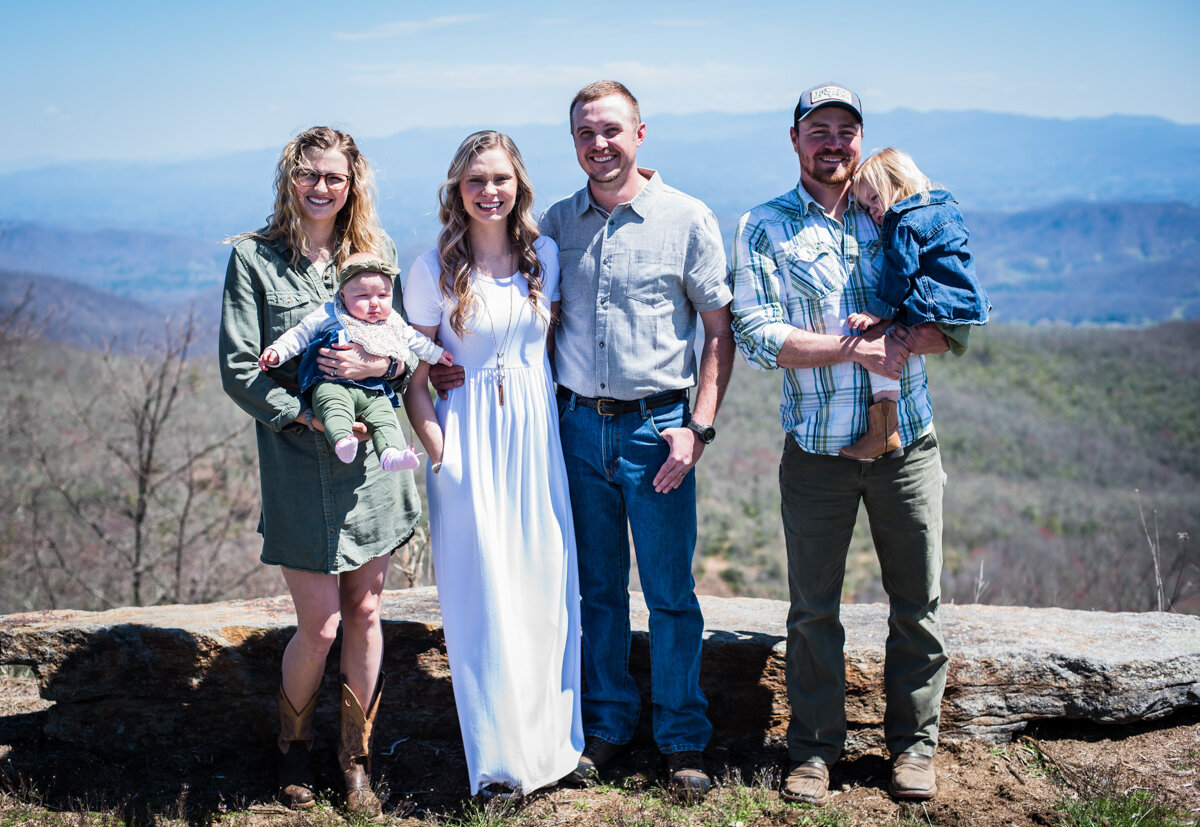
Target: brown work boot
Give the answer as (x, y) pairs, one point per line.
(913, 777)
(596, 753)
(295, 748)
(882, 436)
(354, 756)
(687, 779)
(807, 783)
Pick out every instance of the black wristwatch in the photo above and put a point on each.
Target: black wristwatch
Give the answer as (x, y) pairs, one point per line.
(705, 433)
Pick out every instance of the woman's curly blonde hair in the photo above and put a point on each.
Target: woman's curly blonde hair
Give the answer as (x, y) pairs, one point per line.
(454, 245)
(357, 227)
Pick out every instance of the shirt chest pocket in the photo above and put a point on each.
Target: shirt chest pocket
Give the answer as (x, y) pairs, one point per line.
(652, 277)
(814, 271)
(577, 269)
(284, 308)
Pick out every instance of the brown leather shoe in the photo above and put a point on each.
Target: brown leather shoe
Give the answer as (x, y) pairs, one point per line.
(596, 753)
(807, 783)
(687, 778)
(913, 777)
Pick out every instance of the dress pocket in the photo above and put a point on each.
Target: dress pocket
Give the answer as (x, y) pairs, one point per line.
(284, 308)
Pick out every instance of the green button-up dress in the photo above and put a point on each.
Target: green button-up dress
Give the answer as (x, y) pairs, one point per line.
(318, 513)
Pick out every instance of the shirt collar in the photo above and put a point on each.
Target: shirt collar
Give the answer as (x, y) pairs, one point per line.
(641, 203)
(805, 203)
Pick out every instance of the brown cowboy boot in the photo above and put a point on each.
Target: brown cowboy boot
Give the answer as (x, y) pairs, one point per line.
(354, 756)
(882, 436)
(295, 747)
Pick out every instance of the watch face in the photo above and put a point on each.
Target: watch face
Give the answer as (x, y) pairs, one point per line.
(706, 434)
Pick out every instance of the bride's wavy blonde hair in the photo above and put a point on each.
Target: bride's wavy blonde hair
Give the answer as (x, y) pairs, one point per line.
(454, 246)
(357, 227)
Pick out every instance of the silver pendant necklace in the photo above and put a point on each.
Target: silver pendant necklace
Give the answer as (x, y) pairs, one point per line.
(501, 347)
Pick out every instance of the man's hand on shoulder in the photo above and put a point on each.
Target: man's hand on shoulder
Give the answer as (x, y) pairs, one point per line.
(922, 340)
(685, 453)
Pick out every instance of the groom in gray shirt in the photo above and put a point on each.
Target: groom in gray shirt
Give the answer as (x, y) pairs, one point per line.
(639, 260)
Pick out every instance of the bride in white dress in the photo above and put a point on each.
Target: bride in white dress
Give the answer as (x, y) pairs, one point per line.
(499, 508)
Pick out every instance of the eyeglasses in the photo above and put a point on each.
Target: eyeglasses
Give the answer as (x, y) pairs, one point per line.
(310, 178)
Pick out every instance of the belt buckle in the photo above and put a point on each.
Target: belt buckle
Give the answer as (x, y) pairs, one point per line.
(601, 402)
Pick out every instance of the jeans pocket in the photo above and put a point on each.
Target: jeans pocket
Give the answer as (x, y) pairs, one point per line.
(671, 416)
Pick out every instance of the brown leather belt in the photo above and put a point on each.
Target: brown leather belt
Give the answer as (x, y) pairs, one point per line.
(613, 407)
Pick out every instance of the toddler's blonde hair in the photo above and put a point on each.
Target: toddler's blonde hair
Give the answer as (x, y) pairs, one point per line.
(894, 175)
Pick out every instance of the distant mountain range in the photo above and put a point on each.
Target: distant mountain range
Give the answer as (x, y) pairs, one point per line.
(1085, 220)
(1122, 263)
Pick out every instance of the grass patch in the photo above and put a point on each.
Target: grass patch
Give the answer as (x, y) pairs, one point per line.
(1134, 809)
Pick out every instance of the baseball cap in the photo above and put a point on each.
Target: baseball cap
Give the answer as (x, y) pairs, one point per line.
(827, 94)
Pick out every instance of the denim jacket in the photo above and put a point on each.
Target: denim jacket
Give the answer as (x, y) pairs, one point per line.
(929, 275)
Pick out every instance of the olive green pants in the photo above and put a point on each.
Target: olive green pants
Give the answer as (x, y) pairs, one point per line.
(903, 497)
(337, 406)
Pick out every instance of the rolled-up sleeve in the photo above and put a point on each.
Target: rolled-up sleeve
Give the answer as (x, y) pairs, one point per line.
(241, 341)
(704, 267)
(760, 317)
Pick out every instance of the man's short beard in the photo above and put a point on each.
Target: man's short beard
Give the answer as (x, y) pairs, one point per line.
(607, 178)
(843, 174)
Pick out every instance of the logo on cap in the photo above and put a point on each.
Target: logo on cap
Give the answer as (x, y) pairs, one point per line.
(830, 93)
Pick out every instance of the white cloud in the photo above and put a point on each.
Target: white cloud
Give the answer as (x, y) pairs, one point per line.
(55, 113)
(401, 28)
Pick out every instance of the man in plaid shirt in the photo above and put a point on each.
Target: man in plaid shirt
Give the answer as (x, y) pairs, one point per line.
(802, 262)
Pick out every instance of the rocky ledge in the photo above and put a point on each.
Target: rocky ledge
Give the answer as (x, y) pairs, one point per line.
(128, 677)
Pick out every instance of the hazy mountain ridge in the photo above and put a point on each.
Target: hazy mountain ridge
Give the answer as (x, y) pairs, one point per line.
(158, 268)
(1122, 263)
(1063, 215)
(68, 311)
(731, 161)
(1073, 263)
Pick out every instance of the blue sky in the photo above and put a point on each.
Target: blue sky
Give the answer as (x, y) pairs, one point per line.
(130, 79)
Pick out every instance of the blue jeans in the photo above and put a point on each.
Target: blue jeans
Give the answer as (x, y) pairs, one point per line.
(611, 462)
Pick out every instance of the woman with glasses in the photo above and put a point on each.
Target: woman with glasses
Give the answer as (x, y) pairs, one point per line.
(329, 525)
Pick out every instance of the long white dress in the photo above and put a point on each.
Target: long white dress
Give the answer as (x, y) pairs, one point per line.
(503, 541)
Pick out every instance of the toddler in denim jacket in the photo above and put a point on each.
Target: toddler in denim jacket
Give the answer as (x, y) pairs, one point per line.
(928, 276)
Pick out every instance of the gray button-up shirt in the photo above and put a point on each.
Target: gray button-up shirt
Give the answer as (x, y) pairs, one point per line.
(632, 283)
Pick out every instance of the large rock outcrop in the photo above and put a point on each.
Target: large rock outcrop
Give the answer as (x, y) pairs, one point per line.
(128, 677)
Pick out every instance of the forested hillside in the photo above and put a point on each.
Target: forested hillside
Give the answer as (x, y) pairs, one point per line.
(1056, 441)
(1063, 447)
